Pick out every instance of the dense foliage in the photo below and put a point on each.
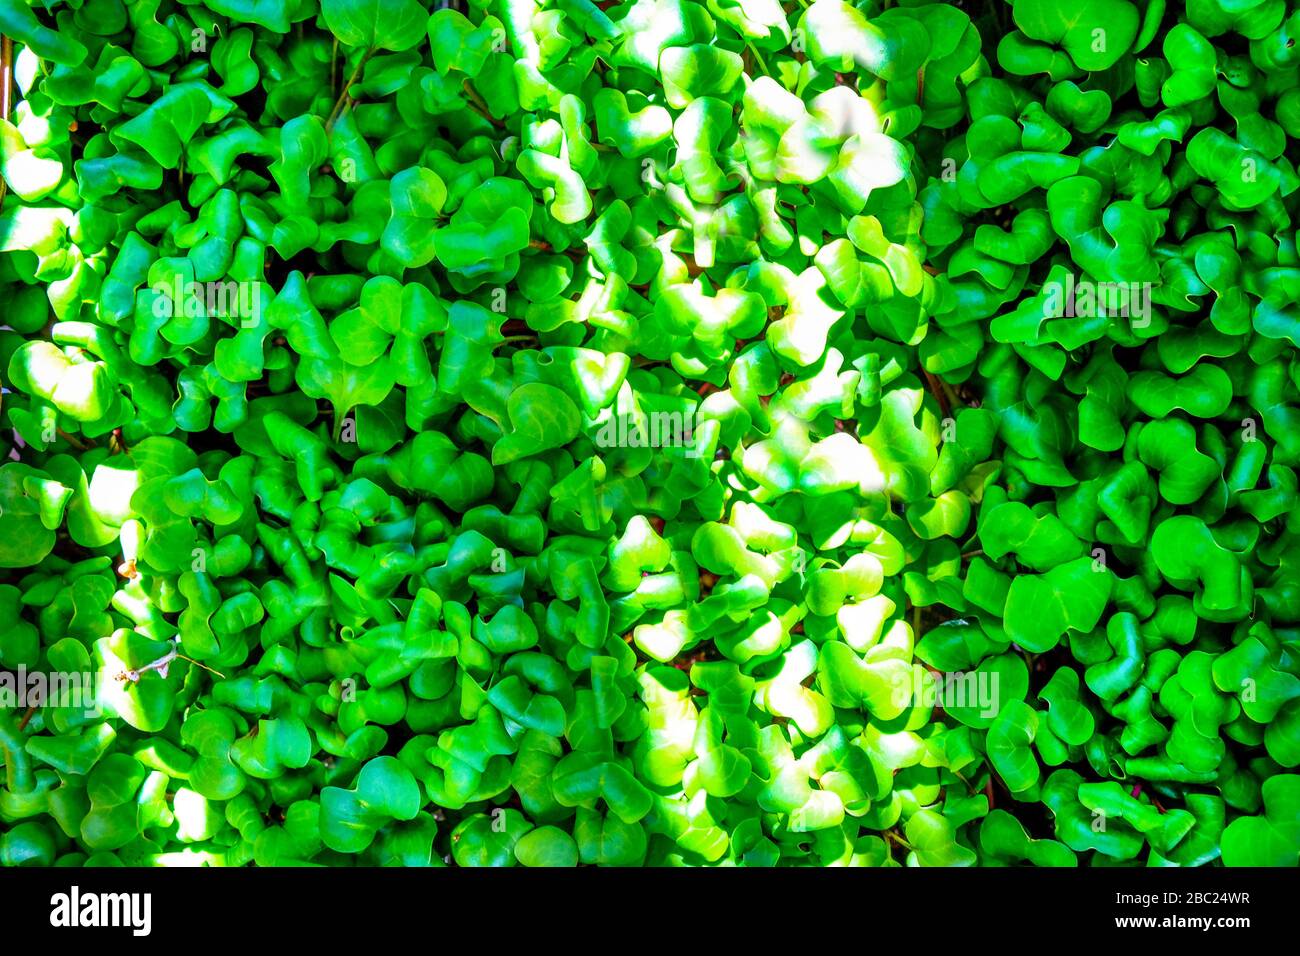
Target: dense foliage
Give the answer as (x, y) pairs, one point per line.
(659, 432)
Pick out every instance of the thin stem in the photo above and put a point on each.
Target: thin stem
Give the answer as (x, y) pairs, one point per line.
(759, 57)
(964, 779)
(74, 441)
(210, 670)
(474, 107)
(348, 103)
(6, 91)
(543, 246)
(953, 399)
(338, 105)
(334, 68)
(18, 765)
(162, 664)
(932, 382)
(479, 106)
(898, 839)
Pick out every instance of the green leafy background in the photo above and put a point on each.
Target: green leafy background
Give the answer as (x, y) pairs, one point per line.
(419, 608)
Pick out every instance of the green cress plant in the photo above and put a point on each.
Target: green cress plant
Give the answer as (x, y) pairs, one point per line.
(662, 432)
